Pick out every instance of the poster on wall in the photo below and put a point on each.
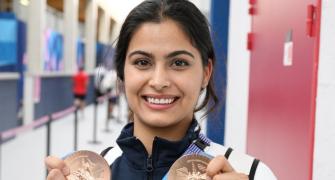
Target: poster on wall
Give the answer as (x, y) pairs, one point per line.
(8, 42)
(80, 53)
(54, 43)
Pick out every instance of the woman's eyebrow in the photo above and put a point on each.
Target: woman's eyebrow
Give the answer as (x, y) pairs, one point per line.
(141, 53)
(170, 55)
(176, 53)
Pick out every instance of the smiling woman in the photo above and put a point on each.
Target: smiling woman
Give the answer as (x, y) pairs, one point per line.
(165, 58)
(161, 66)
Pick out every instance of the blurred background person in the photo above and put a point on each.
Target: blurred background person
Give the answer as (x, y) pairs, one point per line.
(99, 74)
(80, 84)
(108, 87)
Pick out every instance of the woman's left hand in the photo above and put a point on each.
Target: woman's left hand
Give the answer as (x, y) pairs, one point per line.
(220, 169)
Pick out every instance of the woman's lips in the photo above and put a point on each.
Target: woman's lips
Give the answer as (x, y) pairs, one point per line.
(160, 102)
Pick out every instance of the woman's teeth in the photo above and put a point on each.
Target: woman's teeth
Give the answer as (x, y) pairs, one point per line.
(160, 100)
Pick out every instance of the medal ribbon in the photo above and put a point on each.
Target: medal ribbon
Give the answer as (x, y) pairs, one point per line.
(195, 149)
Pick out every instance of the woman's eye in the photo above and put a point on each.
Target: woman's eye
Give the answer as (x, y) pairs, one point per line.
(180, 63)
(142, 63)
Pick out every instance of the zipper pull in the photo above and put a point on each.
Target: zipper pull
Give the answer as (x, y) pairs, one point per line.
(149, 164)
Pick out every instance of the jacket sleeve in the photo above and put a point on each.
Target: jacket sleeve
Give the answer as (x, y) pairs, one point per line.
(242, 163)
(264, 172)
(112, 154)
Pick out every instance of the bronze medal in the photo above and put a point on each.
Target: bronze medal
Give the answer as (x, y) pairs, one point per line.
(87, 165)
(189, 167)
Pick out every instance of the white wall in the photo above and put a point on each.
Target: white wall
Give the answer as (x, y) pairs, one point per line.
(204, 6)
(237, 76)
(324, 146)
(20, 11)
(54, 20)
(119, 10)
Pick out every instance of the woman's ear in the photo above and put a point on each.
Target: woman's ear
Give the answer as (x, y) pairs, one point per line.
(207, 73)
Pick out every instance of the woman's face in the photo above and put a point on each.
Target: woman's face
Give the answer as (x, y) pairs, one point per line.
(163, 75)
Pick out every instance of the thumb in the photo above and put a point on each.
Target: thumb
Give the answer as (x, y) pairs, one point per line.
(218, 165)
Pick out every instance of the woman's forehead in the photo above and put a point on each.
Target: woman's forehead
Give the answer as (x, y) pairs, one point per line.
(166, 36)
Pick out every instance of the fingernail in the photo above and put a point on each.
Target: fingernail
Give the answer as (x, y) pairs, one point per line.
(208, 178)
(66, 170)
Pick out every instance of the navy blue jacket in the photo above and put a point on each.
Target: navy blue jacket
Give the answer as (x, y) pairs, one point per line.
(135, 163)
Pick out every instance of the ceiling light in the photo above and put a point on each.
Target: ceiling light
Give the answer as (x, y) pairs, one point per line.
(25, 2)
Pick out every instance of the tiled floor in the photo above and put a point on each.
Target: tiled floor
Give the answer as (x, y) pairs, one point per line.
(23, 156)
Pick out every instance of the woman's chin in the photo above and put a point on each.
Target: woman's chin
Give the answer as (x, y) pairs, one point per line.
(160, 122)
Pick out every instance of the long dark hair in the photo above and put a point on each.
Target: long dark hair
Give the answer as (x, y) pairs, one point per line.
(190, 19)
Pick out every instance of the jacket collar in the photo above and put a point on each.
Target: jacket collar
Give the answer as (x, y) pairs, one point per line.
(164, 152)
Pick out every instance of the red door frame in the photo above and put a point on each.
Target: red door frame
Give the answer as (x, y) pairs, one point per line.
(266, 148)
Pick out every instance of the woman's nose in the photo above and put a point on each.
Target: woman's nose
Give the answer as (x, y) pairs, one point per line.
(159, 79)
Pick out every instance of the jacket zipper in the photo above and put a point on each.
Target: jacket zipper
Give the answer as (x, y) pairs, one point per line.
(150, 168)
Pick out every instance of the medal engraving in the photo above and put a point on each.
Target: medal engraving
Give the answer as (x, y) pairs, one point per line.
(87, 165)
(189, 167)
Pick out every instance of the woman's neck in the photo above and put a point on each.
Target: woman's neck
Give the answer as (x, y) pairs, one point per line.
(146, 133)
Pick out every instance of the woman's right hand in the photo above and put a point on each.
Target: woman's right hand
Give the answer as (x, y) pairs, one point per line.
(57, 168)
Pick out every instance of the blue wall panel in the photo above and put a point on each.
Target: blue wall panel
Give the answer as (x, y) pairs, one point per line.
(8, 42)
(90, 91)
(219, 25)
(56, 95)
(8, 106)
